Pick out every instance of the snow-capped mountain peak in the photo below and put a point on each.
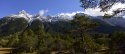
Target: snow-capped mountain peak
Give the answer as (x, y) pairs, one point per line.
(40, 16)
(22, 14)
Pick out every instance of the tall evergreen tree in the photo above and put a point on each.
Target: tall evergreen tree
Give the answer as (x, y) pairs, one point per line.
(27, 41)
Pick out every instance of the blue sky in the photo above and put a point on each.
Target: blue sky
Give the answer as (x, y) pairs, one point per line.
(8, 7)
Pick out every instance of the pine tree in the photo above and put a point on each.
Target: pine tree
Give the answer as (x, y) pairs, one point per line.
(13, 41)
(27, 41)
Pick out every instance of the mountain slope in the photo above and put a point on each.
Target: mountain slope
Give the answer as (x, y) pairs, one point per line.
(54, 24)
(114, 21)
(9, 26)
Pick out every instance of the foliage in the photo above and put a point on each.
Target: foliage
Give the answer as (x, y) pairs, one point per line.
(117, 42)
(105, 5)
(74, 37)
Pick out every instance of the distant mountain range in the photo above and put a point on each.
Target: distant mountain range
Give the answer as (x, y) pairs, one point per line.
(59, 23)
(28, 17)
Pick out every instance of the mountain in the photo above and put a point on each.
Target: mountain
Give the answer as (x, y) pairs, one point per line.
(18, 23)
(114, 21)
(21, 21)
(22, 14)
(12, 25)
(106, 27)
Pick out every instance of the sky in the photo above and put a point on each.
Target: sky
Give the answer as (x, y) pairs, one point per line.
(97, 11)
(52, 7)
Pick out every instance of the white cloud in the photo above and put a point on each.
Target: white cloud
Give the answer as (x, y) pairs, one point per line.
(94, 12)
(117, 6)
(89, 11)
(70, 14)
(42, 12)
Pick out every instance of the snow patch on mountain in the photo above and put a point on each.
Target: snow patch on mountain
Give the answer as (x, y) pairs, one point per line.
(40, 16)
(22, 14)
(114, 21)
